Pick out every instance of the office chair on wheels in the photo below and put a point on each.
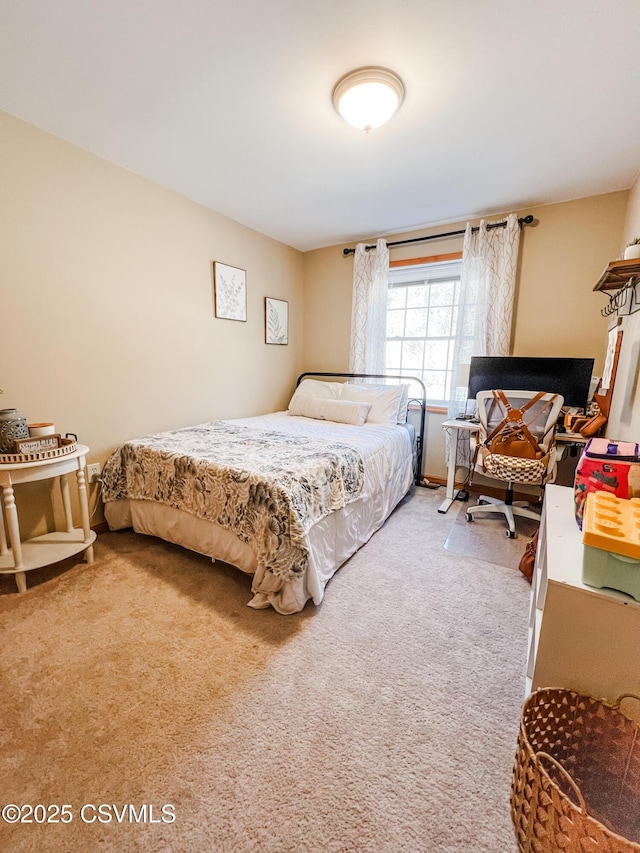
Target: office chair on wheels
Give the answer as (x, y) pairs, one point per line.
(526, 422)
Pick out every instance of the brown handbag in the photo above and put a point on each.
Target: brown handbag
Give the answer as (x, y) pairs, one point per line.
(593, 426)
(512, 436)
(528, 560)
(584, 424)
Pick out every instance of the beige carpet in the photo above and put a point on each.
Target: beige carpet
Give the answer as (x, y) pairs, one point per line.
(384, 720)
(485, 536)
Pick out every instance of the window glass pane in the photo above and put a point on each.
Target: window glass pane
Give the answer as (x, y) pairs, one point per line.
(396, 297)
(416, 325)
(395, 324)
(440, 322)
(435, 383)
(435, 354)
(422, 312)
(442, 293)
(418, 296)
(412, 355)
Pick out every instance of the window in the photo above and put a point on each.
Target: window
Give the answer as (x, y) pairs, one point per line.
(422, 311)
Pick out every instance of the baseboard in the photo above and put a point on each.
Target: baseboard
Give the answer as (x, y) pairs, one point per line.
(441, 481)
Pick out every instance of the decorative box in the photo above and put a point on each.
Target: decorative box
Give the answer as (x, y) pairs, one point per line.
(611, 538)
(606, 465)
(37, 444)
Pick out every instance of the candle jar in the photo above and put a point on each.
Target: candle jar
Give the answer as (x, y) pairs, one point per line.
(13, 424)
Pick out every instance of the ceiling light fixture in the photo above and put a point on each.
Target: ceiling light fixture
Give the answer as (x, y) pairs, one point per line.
(368, 97)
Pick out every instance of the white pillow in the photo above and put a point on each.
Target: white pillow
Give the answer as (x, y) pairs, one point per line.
(384, 399)
(340, 411)
(317, 389)
(404, 405)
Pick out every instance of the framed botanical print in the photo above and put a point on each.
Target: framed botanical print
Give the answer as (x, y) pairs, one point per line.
(276, 321)
(230, 292)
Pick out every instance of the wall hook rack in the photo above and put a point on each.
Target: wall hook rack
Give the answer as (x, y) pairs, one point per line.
(621, 276)
(618, 300)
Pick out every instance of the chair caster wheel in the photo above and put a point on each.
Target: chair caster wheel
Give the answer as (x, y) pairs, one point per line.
(511, 534)
(468, 516)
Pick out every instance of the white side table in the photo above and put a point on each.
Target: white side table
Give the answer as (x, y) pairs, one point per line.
(40, 551)
(455, 427)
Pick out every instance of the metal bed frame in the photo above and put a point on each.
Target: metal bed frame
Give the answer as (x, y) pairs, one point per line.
(421, 401)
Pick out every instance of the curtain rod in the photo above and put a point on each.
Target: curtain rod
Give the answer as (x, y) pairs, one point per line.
(524, 220)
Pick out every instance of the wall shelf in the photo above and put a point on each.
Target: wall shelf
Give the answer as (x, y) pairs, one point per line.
(618, 273)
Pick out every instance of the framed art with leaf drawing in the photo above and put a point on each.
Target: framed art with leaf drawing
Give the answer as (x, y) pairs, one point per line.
(230, 292)
(276, 321)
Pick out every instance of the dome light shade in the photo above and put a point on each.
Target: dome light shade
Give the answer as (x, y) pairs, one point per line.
(368, 97)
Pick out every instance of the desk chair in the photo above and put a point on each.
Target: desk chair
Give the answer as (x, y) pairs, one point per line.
(540, 418)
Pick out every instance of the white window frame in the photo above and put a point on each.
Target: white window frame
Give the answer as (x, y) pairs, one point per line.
(429, 274)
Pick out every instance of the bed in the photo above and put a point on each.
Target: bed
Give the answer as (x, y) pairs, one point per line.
(286, 497)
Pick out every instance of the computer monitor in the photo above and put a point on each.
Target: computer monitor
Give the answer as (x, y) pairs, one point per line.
(570, 377)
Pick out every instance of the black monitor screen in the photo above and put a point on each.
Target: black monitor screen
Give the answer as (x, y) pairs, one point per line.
(570, 377)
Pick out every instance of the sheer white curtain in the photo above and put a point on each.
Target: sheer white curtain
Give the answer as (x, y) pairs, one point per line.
(369, 309)
(485, 313)
(487, 288)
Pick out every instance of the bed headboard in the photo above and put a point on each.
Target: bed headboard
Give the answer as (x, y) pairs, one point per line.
(421, 401)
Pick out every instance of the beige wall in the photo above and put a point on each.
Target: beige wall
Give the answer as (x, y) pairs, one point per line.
(556, 314)
(562, 258)
(327, 318)
(106, 308)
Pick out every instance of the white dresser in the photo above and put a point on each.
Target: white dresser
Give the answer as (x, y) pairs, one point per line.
(580, 637)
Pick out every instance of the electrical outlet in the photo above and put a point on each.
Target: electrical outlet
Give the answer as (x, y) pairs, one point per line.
(93, 472)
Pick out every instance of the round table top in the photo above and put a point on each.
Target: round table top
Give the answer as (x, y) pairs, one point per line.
(80, 450)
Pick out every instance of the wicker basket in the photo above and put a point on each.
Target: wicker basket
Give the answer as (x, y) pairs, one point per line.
(576, 779)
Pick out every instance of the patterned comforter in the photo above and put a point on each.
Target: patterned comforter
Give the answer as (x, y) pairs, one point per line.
(268, 488)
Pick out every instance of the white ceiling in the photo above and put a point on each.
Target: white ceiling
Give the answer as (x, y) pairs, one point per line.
(509, 103)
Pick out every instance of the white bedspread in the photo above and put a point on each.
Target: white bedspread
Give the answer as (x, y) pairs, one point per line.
(387, 455)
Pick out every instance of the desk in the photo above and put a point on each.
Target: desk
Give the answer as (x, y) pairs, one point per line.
(454, 427)
(51, 547)
(570, 439)
(569, 446)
